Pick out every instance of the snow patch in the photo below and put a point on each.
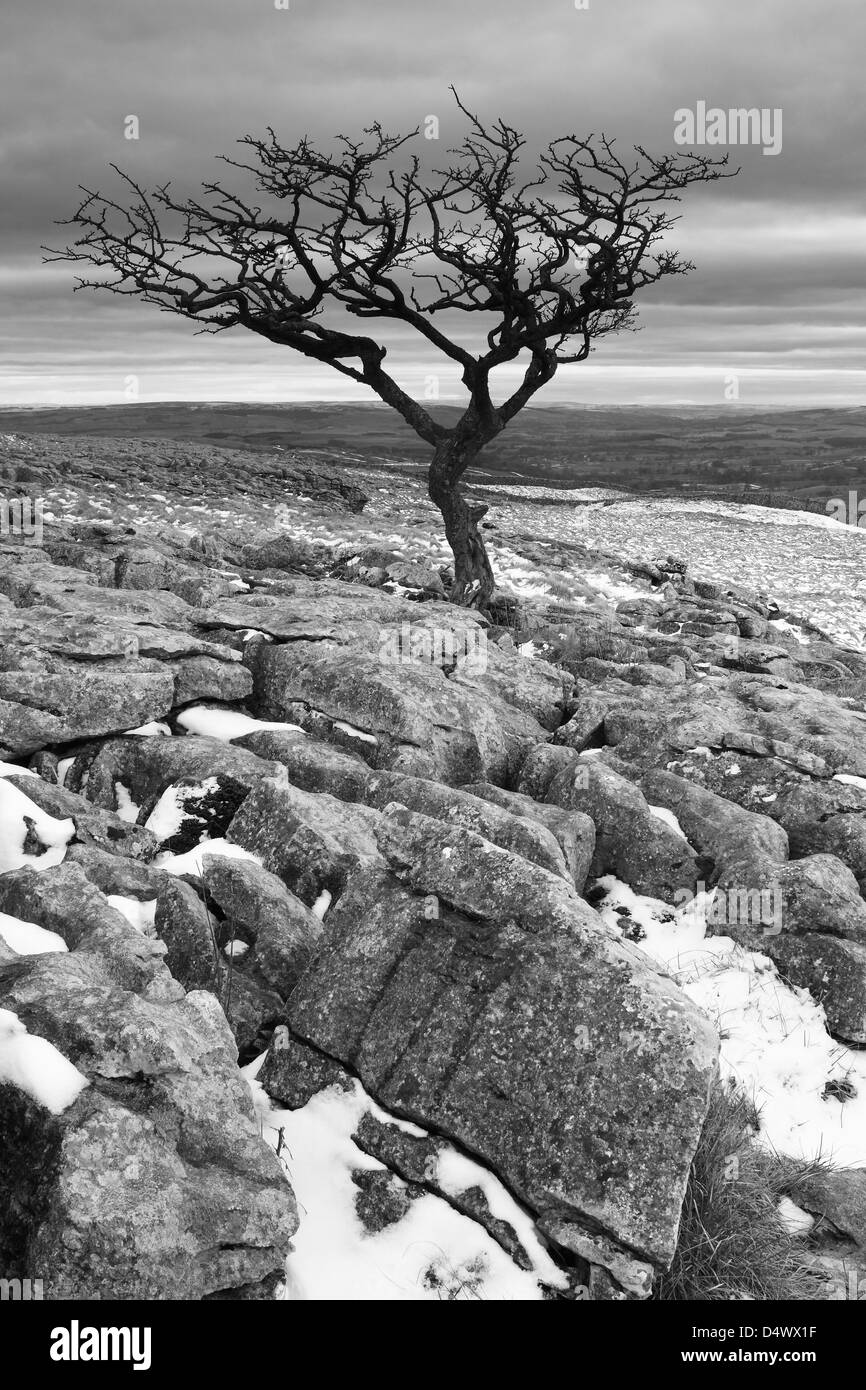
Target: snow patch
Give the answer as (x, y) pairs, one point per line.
(191, 861)
(172, 808)
(16, 810)
(796, 1221)
(662, 813)
(321, 905)
(432, 1253)
(126, 807)
(140, 915)
(34, 1065)
(782, 625)
(226, 724)
(27, 939)
(774, 1037)
(353, 732)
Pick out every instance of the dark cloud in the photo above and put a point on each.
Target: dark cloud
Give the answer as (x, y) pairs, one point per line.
(779, 252)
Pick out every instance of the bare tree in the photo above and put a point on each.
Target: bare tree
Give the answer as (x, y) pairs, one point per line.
(549, 266)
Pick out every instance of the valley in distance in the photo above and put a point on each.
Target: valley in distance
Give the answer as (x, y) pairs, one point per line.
(792, 459)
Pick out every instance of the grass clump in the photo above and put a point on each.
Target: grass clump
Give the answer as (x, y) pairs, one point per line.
(732, 1243)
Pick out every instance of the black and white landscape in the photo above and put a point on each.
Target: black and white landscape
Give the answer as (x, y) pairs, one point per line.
(433, 654)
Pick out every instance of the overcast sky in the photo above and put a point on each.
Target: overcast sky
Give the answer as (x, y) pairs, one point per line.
(778, 296)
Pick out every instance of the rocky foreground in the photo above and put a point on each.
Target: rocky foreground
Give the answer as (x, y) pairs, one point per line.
(279, 803)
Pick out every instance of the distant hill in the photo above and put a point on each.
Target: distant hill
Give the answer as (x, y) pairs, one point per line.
(778, 457)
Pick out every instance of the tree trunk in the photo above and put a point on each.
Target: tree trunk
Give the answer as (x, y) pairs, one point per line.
(473, 575)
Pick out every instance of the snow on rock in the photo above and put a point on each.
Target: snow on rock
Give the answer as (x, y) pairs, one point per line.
(191, 861)
(168, 814)
(353, 732)
(126, 807)
(173, 807)
(432, 1253)
(796, 1221)
(662, 813)
(22, 822)
(850, 780)
(34, 1065)
(774, 1038)
(610, 588)
(140, 915)
(321, 905)
(782, 625)
(26, 939)
(226, 723)
(154, 729)
(12, 770)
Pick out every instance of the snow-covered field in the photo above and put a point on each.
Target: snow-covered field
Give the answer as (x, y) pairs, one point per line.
(774, 1039)
(811, 565)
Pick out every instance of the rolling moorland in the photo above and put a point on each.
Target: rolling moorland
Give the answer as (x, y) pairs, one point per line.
(783, 458)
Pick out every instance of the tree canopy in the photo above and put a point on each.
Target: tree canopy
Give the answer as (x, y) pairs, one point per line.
(543, 268)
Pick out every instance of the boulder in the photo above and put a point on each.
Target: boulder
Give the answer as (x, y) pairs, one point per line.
(409, 574)
(463, 731)
(114, 875)
(819, 894)
(148, 568)
(719, 829)
(146, 767)
(63, 900)
(37, 709)
(198, 956)
(102, 829)
(154, 1183)
(182, 922)
(839, 1197)
(550, 1050)
(309, 764)
(541, 764)
(310, 842)
(475, 876)
(631, 841)
(205, 678)
(311, 612)
(283, 931)
(585, 728)
(293, 1073)
(573, 831)
(829, 817)
(518, 834)
(833, 970)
